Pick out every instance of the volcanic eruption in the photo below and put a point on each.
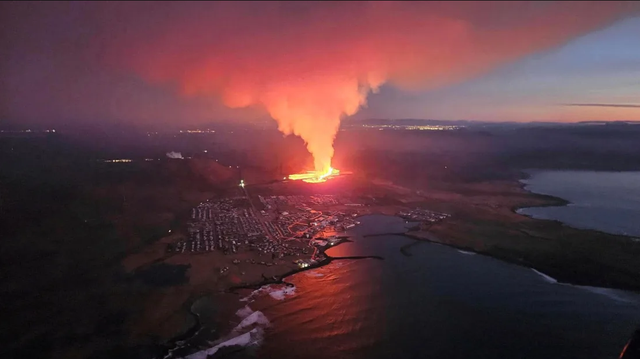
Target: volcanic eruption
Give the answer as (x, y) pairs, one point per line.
(315, 176)
(313, 110)
(309, 64)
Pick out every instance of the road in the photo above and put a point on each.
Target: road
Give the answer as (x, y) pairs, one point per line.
(255, 214)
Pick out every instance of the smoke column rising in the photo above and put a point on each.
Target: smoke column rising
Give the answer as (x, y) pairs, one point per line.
(309, 64)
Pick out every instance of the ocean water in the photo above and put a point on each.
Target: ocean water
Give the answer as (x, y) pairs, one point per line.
(437, 303)
(604, 201)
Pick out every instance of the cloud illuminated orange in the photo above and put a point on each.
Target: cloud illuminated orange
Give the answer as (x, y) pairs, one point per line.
(310, 63)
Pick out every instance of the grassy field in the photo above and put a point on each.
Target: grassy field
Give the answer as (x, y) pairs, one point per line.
(484, 220)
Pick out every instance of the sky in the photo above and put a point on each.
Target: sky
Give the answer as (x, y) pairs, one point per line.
(575, 82)
(190, 63)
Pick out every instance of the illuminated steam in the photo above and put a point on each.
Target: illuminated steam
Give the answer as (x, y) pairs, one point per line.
(315, 115)
(175, 155)
(310, 64)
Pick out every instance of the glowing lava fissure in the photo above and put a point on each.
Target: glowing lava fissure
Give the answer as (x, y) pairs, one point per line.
(315, 176)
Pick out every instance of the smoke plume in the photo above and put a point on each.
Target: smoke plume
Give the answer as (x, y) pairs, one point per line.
(309, 64)
(175, 155)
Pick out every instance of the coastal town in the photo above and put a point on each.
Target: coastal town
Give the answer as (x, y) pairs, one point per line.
(280, 227)
(422, 215)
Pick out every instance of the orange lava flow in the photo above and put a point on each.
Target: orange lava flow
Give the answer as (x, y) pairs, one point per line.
(315, 176)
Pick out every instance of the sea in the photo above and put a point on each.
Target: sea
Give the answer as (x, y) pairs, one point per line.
(604, 201)
(427, 301)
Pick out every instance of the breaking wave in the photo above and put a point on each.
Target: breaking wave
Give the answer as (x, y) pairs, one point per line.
(256, 318)
(252, 337)
(250, 331)
(244, 312)
(465, 252)
(545, 277)
(607, 292)
(279, 292)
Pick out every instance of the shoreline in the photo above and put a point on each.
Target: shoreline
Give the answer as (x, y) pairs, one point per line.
(520, 262)
(554, 201)
(172, 344)
(559, 202)
(559, 275)
(279, 279)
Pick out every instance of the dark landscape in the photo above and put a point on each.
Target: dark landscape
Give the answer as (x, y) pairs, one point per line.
(102, 221)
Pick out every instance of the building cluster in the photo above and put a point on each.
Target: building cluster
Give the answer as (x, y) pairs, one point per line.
(278, 230)
(299, 202)
(329, 221)
(227, 225)
(304, 263)
(233, 225)
(278, 249)
(294, 215)
(423, 215)
(323, 242)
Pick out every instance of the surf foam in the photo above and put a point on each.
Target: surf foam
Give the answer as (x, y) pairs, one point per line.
(239, 335)
(465, 252)
(281, 294)
(252, 294)
(252, 337)
(546, 277)
(608, 292)
(277, 293)
(256, 318)
(244, 312)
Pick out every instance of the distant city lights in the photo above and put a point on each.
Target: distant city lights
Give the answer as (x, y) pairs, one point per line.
(198, 131)
(28, 131)
(120, 160)
(414, 127)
